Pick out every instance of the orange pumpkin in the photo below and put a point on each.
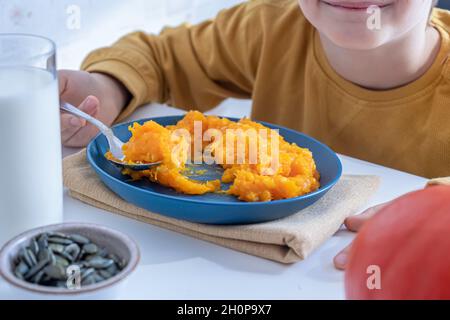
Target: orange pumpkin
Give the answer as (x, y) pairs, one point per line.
(404, 251)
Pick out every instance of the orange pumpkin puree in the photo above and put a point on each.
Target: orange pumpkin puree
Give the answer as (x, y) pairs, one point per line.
(295, 174)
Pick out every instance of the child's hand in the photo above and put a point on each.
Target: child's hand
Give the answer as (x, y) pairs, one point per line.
(97, 94)
(355, 223)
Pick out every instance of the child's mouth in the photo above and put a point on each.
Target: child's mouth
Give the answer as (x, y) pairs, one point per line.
(355, 6)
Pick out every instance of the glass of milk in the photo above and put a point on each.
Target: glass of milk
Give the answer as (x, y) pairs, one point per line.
(30, 145)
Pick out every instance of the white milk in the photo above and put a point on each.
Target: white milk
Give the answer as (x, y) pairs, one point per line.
(30, 151)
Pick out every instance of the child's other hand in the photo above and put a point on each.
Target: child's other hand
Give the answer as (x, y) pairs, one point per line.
(97, 94)
(354, 224)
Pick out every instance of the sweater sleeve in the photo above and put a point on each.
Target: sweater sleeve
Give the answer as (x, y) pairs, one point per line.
(190, 67)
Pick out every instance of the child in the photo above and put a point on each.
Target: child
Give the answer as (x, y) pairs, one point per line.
(378, 93)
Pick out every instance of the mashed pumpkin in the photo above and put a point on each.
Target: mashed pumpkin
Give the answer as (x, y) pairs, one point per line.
(283, 172)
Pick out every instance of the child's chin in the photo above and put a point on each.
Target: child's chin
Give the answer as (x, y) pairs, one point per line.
(352, 41)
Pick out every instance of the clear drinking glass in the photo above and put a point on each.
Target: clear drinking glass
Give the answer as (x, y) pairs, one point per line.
(30, 143)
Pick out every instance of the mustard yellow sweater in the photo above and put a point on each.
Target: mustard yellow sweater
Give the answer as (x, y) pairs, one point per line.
(267, 51)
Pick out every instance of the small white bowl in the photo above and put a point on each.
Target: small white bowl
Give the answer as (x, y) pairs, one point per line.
(113, 241)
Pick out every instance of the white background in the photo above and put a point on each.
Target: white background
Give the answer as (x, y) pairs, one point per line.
(102, 21)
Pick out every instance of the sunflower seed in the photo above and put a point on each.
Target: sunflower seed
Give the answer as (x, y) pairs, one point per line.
(90, 257)
(65, 256)
(79, 239)
(105, 274)
(113, 257)
(122, 264)
(52, 257)
(42, 241)
(46, 279)
(43, 247)
(60, 240)
(90, 248)
(113, 270)
(45, 254)
(21, 269)
(38, 277)
(87, 272)
(23, 254)
(73, 250)
(34, 247)
(88, 281)
(103, 253)
(60, 261)
(98, 278)
(57, 248)
(37, 268)
(100, 263)
(80, 264)
(57, 234)
(31, 256)
(57, 272)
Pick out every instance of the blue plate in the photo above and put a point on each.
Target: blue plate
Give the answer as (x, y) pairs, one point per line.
(211, 208)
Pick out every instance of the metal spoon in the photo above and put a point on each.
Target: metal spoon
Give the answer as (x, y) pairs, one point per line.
(115, 145)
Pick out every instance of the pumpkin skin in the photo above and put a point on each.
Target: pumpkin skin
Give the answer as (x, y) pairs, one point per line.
(410, 242)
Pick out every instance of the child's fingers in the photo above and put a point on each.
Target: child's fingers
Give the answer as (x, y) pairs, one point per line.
(82, 137)
(355, 223)
(63, 81)
(341, 259)
(70, 124)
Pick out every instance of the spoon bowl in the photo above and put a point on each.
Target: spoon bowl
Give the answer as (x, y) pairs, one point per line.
(134, 166)
(115, 144)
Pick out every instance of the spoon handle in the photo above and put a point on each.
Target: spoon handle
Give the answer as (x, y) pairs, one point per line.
(77, 112)
(115, 144)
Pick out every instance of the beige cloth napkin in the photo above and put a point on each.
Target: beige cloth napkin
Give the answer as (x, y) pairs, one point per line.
(287, 240)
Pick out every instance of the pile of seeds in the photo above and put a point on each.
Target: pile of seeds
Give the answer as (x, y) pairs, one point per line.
(49, 255)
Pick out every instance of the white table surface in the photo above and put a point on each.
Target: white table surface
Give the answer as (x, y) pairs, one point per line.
(175, 266)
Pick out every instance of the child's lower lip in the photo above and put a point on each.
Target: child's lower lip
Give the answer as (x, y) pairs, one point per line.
(354, 6)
